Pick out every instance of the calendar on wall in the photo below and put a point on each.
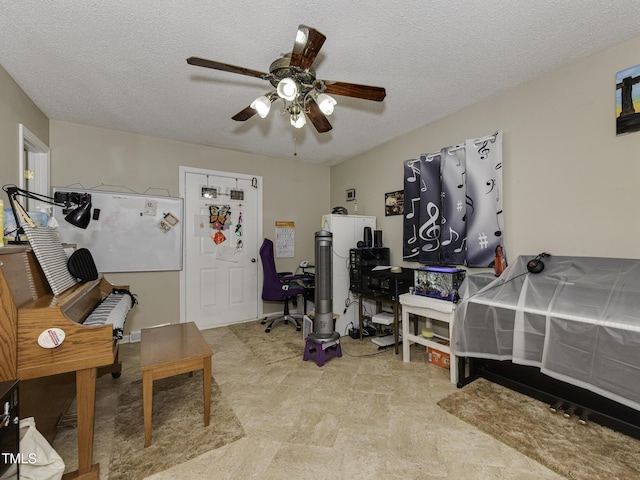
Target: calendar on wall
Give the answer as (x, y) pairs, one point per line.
(285, 239)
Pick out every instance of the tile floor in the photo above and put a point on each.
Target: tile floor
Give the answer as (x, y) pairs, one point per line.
(367, 415)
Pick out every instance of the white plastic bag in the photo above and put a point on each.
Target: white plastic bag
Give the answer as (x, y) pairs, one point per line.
(38, 459)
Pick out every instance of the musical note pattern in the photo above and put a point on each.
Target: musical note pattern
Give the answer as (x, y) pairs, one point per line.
(485, 229)
(453, 171)
(430, 210)
(453, 204)
(411, 220)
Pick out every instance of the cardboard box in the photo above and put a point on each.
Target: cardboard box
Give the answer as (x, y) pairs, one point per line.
(438, 358)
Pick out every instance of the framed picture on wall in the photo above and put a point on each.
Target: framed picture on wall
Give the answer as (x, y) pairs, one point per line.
(351, 194)
(394, 203)
(628, 100)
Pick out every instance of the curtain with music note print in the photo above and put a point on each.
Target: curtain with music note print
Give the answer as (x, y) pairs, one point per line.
(411, 219)
(485, 229)
(453, 206)
(430, 209)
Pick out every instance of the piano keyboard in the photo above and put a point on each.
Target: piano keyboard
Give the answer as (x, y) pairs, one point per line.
(112, 310)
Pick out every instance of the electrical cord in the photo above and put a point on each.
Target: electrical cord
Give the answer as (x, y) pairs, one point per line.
(378, 352)
(346, 330)
(347, 303)
(482, 290)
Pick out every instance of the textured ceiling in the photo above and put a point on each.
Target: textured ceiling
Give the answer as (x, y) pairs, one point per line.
(122, 64)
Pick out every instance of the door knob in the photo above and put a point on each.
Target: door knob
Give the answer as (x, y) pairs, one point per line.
(253, 260)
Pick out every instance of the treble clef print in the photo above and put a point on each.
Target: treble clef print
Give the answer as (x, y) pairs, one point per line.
(430, 231)
(484, 150)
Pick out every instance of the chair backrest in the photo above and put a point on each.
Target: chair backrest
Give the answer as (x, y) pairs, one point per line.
(271, 284)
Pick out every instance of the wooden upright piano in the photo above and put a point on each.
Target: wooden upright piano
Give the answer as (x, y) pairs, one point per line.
(47, 375)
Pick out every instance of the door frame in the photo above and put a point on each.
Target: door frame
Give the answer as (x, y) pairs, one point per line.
(33, 153)
(183, 274)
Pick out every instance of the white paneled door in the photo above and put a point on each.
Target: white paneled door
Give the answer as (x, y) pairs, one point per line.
(222, 273)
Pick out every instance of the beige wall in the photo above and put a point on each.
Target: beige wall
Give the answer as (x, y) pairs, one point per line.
(570, 185)
(16, 108)
(94, 156)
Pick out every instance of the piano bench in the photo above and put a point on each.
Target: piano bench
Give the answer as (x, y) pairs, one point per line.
(172, 350)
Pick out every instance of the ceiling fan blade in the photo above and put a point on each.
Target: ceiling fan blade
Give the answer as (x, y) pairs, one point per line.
(365, 92)
(318, 118)
(225, 67)
(245, 114)
(308, 43)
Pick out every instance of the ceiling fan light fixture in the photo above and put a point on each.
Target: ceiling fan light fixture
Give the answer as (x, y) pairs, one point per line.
(298, 120)
(262, 105)
(287, 89)
(294, 77)
(326, 103)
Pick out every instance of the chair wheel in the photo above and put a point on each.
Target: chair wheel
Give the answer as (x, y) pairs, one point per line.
(267, 330)
(298, 328)
(116, 374)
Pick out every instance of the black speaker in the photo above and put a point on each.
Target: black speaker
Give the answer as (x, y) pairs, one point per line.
(368, 240)
(377, 238)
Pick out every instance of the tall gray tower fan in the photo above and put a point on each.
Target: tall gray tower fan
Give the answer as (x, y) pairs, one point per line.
(323, 330)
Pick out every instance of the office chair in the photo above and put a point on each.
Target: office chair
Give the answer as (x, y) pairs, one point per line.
(276, 287)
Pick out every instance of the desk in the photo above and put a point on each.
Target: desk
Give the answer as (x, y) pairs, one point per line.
(379, 299)
(171, 350)
(308, 284)
(430, 308)
(382, 286)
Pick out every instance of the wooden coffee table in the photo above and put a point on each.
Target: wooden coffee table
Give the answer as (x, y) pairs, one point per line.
(171, 350)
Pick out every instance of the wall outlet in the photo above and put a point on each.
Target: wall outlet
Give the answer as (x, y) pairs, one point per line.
(134, 336)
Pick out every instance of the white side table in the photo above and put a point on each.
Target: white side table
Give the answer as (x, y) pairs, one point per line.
(431, 309)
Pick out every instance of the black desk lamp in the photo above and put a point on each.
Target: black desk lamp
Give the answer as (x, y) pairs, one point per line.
(79, 216)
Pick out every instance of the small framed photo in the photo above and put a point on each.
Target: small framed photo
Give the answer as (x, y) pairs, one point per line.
(394, 203)
(351, 195)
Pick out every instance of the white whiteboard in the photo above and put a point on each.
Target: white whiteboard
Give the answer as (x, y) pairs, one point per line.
(124, 234)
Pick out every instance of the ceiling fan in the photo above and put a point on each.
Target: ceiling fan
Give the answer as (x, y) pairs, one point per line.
(296, 84)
